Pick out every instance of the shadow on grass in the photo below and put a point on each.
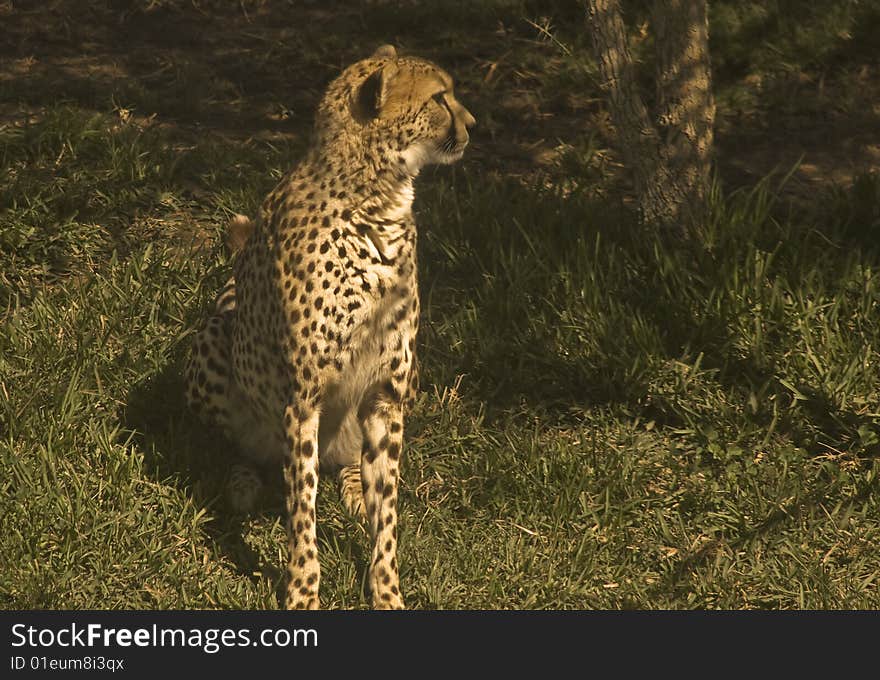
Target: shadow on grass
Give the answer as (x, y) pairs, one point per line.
(554, 301)
(219, 64)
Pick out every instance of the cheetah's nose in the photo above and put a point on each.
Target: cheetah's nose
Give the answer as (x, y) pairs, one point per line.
(469, 120)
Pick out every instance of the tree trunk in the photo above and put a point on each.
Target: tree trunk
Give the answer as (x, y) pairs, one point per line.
(685, 105)
(668, 154)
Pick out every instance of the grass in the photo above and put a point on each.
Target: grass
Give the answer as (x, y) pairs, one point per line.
(609, 418)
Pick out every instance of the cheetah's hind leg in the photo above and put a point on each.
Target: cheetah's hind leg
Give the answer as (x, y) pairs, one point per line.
(212, 396)
(351, 492)
(244, 487)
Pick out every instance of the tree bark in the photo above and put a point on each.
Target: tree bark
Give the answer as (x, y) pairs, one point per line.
(668, 154)
(685, 105)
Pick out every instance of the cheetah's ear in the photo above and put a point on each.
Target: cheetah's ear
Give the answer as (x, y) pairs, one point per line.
(385, 52)
(372, 95)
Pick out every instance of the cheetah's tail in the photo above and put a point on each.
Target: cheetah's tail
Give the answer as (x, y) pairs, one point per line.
(238, 231)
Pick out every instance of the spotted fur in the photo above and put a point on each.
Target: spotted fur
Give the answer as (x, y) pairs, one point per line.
(310, 353)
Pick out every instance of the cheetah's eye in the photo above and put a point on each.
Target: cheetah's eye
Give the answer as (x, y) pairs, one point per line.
(439, 98)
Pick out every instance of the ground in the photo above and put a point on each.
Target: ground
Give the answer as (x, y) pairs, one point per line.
(609, 418)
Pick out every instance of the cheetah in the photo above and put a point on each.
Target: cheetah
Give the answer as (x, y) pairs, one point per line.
(309, 357)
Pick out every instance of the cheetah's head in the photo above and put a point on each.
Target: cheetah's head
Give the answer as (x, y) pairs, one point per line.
(396, 109)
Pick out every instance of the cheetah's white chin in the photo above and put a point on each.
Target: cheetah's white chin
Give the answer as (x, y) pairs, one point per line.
(450, 157)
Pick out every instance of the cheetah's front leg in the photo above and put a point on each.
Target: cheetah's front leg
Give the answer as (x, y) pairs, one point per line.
(301, 486)
(382, 423)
